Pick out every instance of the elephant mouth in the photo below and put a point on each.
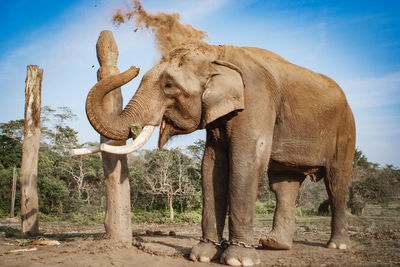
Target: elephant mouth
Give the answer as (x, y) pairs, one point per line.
(168, 128)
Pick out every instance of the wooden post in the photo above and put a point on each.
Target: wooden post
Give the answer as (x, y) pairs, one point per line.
(13, 189)
(30, 150)
(118, 206)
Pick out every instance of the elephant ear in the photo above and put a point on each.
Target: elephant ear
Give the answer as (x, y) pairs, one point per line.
(224, 92)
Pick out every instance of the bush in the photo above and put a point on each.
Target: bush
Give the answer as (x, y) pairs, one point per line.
(99, 217)
(52, 193)
(162, 216)
(5, 192)
(193, 216)
(302, 211)
(265, 207)
(368, 190)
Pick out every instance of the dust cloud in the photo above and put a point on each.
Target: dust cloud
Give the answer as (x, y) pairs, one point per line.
(168, 30)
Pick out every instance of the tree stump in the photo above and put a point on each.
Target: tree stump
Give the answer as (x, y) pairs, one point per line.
(30, 150)
(118, 206)
(13, 190)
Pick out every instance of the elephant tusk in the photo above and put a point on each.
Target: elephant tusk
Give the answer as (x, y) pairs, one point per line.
(139, 141)
(91, 149)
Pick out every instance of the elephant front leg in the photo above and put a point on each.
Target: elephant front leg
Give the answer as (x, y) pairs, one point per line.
(248, 162)
(285, 185)
(215, 172)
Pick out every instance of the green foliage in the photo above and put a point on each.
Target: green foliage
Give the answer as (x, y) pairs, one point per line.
(10, 152)
(370, 189)
(72, 217)
(193, 216)
(164, 176)
(372, 184)
(265, 207)
(56, 133)
(140, 216)
(162, 216)
(50, 217)
(10, 157)
(197, 149)
(53, 193)
(304, 211)
(13, 129)
(5, 192)
(57, 171)
(361, 160)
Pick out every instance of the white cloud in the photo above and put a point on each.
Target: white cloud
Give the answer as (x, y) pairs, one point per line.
(370, 92)
(375, 102)
(192, 10)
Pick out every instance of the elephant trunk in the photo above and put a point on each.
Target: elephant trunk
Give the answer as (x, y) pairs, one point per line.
(115, 127)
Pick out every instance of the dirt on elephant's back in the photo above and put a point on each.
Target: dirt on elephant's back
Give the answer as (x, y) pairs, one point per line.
(375, 241)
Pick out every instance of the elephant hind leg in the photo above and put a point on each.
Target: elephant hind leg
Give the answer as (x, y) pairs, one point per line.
(285, 185)
(336, 182)
(337, 176)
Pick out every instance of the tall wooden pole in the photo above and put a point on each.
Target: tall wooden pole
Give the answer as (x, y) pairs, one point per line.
(118, 208)
(13, 189)
(30, 150)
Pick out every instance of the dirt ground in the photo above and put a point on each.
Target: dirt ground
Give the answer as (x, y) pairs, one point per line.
(375, 242)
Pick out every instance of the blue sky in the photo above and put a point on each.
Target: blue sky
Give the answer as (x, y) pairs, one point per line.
(357, 43)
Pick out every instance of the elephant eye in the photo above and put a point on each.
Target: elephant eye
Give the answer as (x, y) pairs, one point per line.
(170, 88)
(168, 85)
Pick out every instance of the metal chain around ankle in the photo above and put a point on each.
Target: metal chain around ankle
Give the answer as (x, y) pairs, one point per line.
(225, 243)
(241, 244)
(222, 244)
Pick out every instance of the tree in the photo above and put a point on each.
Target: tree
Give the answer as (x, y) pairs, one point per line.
(55, 130)
(10, 152)
(5, 192)
(11, 137)
(79, 171)
(65, 184)
(13, 129)
(367, 184)
(197, 150)
(137, 171)
(167, 175)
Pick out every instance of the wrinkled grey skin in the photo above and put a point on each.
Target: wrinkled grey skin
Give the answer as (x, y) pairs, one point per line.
(260, 111)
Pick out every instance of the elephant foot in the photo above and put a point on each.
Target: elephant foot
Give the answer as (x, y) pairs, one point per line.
(240, 256)
(205, 252)
(276, 241)
(339, 243)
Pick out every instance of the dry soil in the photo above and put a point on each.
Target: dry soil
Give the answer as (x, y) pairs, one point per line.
(375, 240)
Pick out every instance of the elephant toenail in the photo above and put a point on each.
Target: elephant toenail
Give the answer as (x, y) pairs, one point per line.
(204, 259)
(247, 262)
(233, 262)
(342, 246)
(193, 257)
(332, 245)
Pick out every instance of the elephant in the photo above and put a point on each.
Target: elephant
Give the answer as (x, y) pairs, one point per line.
(260, 113)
